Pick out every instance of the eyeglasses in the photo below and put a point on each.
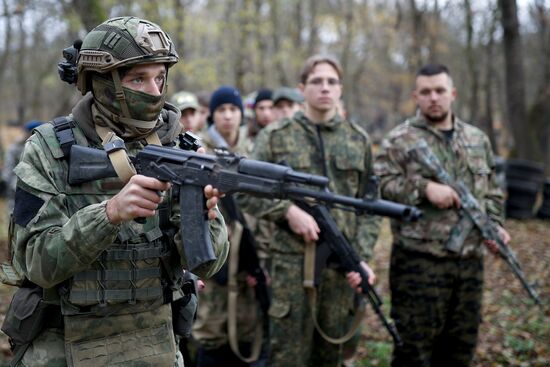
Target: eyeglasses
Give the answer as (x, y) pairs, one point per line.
(317, 82)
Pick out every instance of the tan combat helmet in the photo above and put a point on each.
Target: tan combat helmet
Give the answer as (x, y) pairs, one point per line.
(121, 42)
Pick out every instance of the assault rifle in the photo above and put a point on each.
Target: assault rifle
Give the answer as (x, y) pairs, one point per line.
(472, 215)
(333, 242)
(190, 171)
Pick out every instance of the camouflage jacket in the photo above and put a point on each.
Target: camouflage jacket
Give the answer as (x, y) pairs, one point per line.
(467, 156)
(61, 230)
(337, 149)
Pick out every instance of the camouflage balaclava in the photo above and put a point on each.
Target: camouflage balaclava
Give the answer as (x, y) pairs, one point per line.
(114, 47)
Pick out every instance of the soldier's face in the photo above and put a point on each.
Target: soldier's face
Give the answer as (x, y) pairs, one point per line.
(285, 108)
(323, 88)
(146, 78)
(434, 96)
(227, 118)
(189, 119)
(264, 112)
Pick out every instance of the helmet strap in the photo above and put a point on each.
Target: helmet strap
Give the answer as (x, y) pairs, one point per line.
(120, 93)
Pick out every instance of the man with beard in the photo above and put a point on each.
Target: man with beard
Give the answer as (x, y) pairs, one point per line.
(102, 262)
(436, 289)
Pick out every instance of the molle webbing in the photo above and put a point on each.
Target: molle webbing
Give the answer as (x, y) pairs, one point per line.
(110, 282)
(118, 275)
(130, 295)
(134, 254)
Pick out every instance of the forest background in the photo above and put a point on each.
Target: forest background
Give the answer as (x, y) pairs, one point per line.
(498, 52)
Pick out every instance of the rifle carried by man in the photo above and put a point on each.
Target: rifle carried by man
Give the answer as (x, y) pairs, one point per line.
(472, 215)
(333, 247)
(189, 172)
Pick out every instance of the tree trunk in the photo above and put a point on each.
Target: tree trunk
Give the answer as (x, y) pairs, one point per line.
(515, 82)
(472, 63)
(539, 112)
(91, 12)
(179, 42)
(415, 56)
(20, 70)
(313, 28)
(276, 36)
(489, 78)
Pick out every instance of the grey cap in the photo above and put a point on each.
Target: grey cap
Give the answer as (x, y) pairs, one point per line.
(184, 100)
(291, 94)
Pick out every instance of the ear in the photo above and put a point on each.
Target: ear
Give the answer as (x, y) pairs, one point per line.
(301, 87)
(453, 93)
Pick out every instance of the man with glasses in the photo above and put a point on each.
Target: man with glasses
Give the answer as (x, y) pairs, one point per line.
(320, 142)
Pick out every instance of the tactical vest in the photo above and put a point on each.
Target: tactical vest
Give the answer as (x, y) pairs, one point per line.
(137, 271)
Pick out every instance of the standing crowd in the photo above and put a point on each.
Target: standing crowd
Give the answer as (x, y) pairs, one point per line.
(103, 278)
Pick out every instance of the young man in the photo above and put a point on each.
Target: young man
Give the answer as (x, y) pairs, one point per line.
(286, 102)
(436, 292)
(102, 281)
(320, 142)
(188, 104)
(263, 112)
(211, 328)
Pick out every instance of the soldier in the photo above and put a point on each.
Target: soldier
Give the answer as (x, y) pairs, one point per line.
(98, 284)
(320, 142)
(436, 293)
(263, 112)
(188, 104)
(286, 102)
(211, 328)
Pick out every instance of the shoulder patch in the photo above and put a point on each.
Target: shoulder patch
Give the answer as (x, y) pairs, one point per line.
(26, 206)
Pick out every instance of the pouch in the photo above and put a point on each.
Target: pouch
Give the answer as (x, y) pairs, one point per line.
(26, 315)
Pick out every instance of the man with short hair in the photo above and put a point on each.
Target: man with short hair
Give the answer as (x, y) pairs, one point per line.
(188, 104)
(436, 289)
(103, 261)
(320, 142)
(286, 102)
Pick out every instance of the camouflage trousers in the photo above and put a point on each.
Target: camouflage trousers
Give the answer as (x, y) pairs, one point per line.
(436, 305)
(293, 339)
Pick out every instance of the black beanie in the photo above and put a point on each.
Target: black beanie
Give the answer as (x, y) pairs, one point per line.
(224, 95)
(263, 94)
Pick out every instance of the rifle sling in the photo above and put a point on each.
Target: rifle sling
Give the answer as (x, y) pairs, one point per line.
(233, 294)
(309, 285)
(119, 157)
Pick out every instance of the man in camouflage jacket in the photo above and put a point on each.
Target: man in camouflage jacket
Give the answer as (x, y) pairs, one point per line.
(320, 142)
(436, 293)
(108, 280)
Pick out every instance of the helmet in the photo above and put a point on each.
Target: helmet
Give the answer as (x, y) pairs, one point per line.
(121, 42)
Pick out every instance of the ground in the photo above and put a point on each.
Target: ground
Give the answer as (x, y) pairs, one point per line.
(514, 332)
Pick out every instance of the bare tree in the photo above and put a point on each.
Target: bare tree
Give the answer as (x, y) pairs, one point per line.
(489, 81)
(472, 62)
(539, 112)
(179, 40)
(515, 81)
(276, 38)
(91, 12)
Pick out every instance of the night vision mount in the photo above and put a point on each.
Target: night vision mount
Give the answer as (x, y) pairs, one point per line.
(67, 68)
